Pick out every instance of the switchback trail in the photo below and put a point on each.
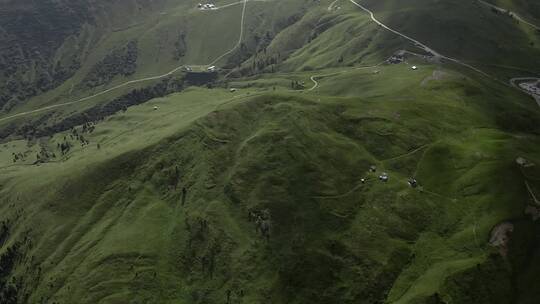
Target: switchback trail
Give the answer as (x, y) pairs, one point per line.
(141, 79)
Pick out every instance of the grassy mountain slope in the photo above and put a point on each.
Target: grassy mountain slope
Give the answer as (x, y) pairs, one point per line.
(111, 225)
(298, 35)
(46, 43)
(208, 195)
(469, 31)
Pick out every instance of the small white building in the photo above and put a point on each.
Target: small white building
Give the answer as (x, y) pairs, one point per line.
(211, 68)
(414, 67)
(523, 162)
(207, 6)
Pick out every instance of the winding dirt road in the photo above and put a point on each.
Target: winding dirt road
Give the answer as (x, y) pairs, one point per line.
(420, 44)
(315, 77)
(240, 37)
(142, 79)
(430, 50)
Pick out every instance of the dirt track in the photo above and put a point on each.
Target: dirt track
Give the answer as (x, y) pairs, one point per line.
(141, 79)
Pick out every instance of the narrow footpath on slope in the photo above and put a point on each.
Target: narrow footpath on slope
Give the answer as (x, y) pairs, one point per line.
(315, 77)
(513, 14)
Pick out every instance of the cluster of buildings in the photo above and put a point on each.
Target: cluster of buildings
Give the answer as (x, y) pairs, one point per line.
(524, 163)
(531, 87)
(398, 58)
(395, 59)
(206, 6)
(212, 68)
(383, 177)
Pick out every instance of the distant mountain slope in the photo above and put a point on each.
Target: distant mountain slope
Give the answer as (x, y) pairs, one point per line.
(32, 32)
(295, 35)
(44, 43)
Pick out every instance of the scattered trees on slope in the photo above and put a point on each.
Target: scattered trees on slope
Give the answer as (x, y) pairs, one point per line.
(120, 62)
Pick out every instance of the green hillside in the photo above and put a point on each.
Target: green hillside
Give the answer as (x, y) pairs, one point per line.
(142, 177)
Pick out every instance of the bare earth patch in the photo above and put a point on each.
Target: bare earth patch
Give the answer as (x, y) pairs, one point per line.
(436, 75)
